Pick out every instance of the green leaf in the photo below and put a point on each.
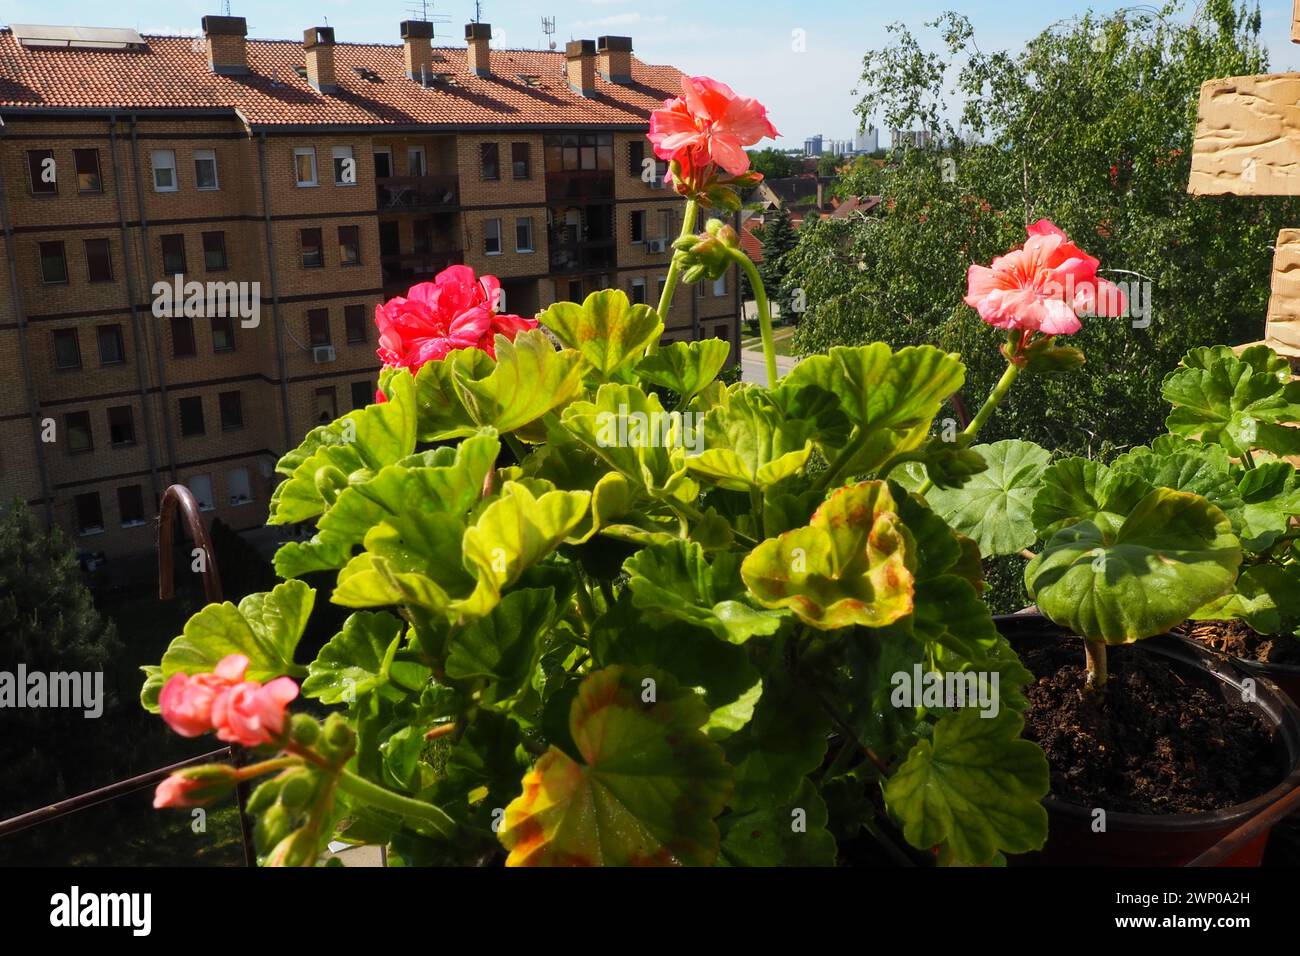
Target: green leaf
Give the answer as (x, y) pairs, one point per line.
(850, 565)
(1270, 498)
(645, 791)
(346, 452)
(994, 506)
(750, 444)
(975, 786)
(441, 414)
(891, 397)
(685, 367)
(1077, 489)
(1240, 402)
(1120, 582)
(265, 628)
(356, 660)
(1266, 597)
(530, 378)
(791, 834)
(607, 329)
(503, 648)
(674, 580)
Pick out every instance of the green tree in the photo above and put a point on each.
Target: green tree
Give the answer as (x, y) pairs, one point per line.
(772, 163)
(829, 165)
(779, 240)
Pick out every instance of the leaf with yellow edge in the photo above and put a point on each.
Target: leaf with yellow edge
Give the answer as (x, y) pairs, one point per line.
(852, 564)
(646, 791)
(607, 329)
(530, 378)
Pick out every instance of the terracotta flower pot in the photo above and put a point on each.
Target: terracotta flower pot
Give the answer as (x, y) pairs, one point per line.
(1137, 839)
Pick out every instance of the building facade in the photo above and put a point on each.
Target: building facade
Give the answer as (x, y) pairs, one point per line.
(198, 231)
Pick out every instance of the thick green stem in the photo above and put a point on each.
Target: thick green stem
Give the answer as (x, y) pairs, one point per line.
(384, 799)
(764, 314)
(986, 411)
(1096, 655)
(674, 271)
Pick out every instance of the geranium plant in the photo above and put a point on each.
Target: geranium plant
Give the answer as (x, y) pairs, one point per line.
(608, 610)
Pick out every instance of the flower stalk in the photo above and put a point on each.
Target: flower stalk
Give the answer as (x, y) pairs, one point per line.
(675, 269)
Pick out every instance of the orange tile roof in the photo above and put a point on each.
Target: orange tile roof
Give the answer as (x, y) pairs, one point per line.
(173, 74)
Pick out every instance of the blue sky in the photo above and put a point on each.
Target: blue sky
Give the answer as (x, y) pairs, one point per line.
(748, 44)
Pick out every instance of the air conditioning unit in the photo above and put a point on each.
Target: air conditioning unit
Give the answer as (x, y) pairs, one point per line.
(321, 354)
(656, 245)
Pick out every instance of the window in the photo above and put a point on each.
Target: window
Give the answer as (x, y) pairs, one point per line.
(121, 425)
(490, 158)
(87, 163)
(90, 516)
(363, 394)
(164, 170)
(232, 410)
(350, 245)
(312, 257)
(638, 225)
(720, 285)
(575, 290)
(192, 416)
(67, 349)
(237, 486)
(568, 152)
(638, 291)
(54, 265)
(659, 295)
(304, 165)
(182, 336)
(635, 157)
(173, 254)
(201, 487)
(42, 173)
(99, 261)
(205, 169)
(415, 164)
(345, 166)
(130, 506)
(519, 160)
(326, 409)
(111, 350)
(354, 320)
(524, 234)
(666, 224)
(214, 252)
(76, 425)
(492, 237)
(318, 327)
(223, 333)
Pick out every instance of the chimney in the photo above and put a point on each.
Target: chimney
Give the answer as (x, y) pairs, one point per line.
(477, 36)
(318, 47)
(580, 59)
(224, 38)
(417, 43)
(615, 59)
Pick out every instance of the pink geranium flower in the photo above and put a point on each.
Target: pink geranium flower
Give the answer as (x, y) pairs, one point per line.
(252, 714)
(177, 791)
(457, 310)
(186, 700)
(1042, 287)
(709, 125)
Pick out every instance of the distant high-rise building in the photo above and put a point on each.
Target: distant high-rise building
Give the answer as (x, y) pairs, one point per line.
(868, 141)
(812, 146)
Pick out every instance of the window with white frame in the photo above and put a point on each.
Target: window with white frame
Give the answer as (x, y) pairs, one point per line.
(304, 165)
(720, 285)
(238, 487)
(201, 487)
(345, 166)
(524, 234)
(638, 290)
(164, 170)
(205, 169)
(492, 237)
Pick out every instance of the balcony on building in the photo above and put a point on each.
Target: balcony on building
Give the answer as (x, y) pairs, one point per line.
(415, 249)
(581, 238)
(415, 174)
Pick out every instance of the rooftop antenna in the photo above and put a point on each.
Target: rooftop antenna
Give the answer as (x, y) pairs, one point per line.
(225, 8)
(423, 10)
(478, 11)
(548, 27)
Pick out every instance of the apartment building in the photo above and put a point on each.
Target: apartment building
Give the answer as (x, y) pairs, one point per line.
(197, 230)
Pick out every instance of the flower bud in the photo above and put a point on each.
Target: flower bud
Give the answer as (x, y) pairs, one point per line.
(299, 789)
(195, 786)
(304, 729)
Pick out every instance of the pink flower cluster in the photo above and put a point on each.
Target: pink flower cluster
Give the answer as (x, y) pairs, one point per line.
(1042, 287)
(240, 711)
(707, 128)
(457, 310)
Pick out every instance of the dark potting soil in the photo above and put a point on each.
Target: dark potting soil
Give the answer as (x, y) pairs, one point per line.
(1236, 639)
(1159, 739)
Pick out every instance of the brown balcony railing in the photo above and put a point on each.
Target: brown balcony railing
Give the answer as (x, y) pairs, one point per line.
(582, 256)
(582, 185)
(415, 193)
(409, 268)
